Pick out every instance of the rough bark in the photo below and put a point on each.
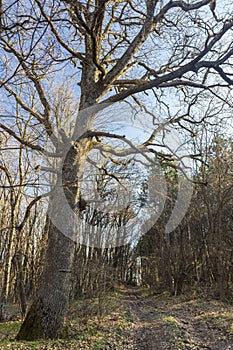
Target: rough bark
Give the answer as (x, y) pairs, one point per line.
(46, 315)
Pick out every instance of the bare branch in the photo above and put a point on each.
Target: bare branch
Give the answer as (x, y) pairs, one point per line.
(55, 32)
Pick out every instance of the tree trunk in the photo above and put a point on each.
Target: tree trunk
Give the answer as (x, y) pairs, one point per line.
(20, 282)
(46, 314)
(6, 274)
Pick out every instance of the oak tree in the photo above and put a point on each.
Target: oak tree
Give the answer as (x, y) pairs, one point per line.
(174, 52)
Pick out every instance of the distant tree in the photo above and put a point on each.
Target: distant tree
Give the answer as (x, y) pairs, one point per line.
(16, 213)
(197, 254)
(217, 199)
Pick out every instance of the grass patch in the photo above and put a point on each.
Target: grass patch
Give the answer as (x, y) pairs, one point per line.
(171, 322)
(84, 328)
(9, 329)
(224, 321)
(177, 333)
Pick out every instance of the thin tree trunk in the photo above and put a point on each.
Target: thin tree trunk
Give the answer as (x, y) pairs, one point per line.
(6, 275)
(20, 282)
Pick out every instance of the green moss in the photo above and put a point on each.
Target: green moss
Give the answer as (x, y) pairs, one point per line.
(31, 328)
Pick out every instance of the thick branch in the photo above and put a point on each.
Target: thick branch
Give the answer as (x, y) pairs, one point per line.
(141, 37)
(193, 65)
(149, 24)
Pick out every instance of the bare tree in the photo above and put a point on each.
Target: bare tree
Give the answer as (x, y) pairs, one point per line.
(15, 167)
(115, 50)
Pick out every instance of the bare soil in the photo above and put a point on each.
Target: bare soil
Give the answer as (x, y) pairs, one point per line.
(167, 323)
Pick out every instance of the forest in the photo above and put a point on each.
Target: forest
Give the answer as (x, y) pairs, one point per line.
(116, 174)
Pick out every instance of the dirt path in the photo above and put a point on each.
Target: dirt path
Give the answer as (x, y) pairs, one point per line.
(167, 323)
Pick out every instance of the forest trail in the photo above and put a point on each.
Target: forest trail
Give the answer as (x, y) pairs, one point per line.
(167, 323)
(135, 319)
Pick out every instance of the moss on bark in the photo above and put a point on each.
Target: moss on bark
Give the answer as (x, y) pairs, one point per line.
(31, 328)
